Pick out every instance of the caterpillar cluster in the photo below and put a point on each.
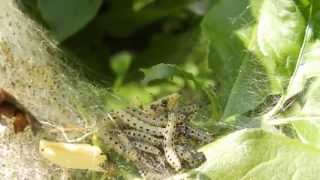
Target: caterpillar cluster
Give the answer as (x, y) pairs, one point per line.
(148, 136)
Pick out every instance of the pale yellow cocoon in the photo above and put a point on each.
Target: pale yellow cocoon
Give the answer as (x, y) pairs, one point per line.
(75, 156)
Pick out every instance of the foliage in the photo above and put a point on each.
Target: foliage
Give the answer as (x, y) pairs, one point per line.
(239, 54)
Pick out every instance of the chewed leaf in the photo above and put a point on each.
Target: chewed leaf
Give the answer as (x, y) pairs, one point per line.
(74, 156)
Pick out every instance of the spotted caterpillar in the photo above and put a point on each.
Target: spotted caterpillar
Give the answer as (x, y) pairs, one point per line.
(159, 121)
(120, 145)
(192, 157)
(141, 136)
(117, 141)
(189, 111)
(146, 147)
(197, 134)
(162, 105)
(133, 122)
(169, 147)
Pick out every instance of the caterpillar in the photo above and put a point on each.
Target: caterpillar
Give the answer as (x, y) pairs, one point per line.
(133, 122)
(197, 134)
(162, 119)
(129, 149)
(159, 121)
(185, 155)
(169, 147)
(146, 147)
(114, 143)
(121, 145)
(189, 111)
(141, 136)
(162, 105)
(191, 156)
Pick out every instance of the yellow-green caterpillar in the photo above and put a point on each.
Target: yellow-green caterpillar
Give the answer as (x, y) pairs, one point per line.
(169, 147)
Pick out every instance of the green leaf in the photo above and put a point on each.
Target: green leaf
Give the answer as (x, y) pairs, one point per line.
(121, 20)
(120, 64)
(225, 51)
(65, 18)
(260, 65)
(165, 71)
(140, 4)
(307, 68)
(256, 154)
(308, 126)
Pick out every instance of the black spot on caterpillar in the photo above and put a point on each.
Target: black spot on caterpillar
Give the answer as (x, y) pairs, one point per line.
(169, 147)
(146, 147)
(133, 122)
(141, 136)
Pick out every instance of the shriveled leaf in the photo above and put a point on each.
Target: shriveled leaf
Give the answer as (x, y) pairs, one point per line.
(11, 108)
(75, 156)
(256, 154)
(67, 17)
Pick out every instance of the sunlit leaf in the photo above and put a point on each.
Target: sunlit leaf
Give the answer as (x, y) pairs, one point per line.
(249, 72)
(256, 154)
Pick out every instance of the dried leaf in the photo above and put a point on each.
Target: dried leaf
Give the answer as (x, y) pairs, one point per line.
(11, 108)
